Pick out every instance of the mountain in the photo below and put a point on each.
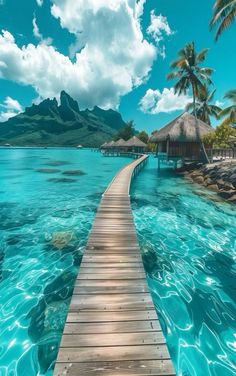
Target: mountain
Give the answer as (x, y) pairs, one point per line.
(51, 124)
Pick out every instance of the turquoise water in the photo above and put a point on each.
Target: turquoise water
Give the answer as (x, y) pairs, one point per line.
(45, 215)
(188, 241)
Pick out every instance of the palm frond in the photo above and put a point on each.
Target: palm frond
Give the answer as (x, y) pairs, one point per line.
(200, 57)
(227, 111)
(226, 22)
(231, 94)
(224, 14)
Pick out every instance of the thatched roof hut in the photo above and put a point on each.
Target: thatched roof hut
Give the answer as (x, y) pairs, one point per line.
(110, 144)
(135, 145)
(181, 138)
(185, 128)
(135, 141)
(120, 143)
(103, 146)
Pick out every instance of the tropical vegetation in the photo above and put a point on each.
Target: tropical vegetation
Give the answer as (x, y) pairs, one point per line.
(220, 137)
(204, 108)
(229, 113)
(189, 73)
(125, 132)
(223, 16)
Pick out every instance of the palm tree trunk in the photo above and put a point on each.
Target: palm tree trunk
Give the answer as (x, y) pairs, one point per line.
(202, 147)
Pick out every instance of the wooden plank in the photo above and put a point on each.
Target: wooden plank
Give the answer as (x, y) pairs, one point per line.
(115, 258)
(115, 316)
(112, 339)
(108, 265)
(110, 289)
(112, 327)
(115, 270)
(124, 368)
(112, 302)
(133, 275)
(110, 353)
(141, 282)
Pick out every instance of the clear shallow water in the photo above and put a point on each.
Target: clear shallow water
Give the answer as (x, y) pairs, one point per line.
(189, 248)
(45, 217)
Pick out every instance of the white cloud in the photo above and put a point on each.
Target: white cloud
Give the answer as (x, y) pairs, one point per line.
(139, 8)
(38, 35)
(39, 2)
(111, 56)
(11, 108)
(155, 101)
(158, 29)
(36, 31)
(219, 103)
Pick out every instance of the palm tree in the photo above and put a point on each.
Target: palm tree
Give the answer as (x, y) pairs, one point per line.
(223, 16)
(230, 112)
(190, 74)
(204, 109)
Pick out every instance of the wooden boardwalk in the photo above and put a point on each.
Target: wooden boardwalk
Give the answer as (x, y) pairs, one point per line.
(112, 328)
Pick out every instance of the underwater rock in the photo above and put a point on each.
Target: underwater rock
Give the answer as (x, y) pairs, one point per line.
(47, 320)
(219, 177)
(60, 288)
(37, 317)
(74, 172)
(61, 240)
(232, 198)
(14, 239)
(226, 194)
(213, 187)
(62, 180)
(66, 213)
(199, 179)
(48, 170)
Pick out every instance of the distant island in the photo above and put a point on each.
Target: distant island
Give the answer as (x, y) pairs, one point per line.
(51, 124)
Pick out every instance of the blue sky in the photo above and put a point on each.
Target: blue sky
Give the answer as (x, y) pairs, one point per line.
(119, 55)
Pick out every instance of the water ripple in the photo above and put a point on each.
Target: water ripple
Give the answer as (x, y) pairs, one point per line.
(188, 244)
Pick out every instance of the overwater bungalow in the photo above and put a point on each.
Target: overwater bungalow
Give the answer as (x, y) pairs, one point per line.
(103, 146)
(135, 145)
(119, 145)
(180, 140)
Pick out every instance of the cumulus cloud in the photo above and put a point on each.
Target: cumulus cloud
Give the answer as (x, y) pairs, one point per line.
(111, 56)
(11, 107)
(155, 101)
(158, 29)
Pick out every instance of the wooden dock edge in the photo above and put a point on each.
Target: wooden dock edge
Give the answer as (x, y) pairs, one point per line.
(112, 328)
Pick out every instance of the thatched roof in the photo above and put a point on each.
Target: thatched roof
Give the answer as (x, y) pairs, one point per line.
(134, 141)
(120, 142)
(110, 144)
(185, 128)
(104, 145)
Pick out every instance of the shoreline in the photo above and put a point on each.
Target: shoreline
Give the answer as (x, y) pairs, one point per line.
(218, 177)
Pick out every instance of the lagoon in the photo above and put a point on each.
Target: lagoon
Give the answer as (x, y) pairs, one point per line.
(188, 241)
(46, 213)
(48, 200)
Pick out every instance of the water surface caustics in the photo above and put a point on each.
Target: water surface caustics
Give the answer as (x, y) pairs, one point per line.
(48, 199)
(188, 241)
